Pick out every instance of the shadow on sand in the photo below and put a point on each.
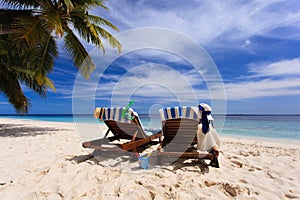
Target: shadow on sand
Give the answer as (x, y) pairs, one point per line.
(21, 130)
(115, 159)
(99, 156)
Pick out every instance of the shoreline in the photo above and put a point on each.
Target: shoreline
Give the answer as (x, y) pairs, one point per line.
(277, 140)
(45, 160)
(282, 140)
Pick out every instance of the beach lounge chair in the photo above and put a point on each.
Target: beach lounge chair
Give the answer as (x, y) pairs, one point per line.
(127, 134)
(179, 128)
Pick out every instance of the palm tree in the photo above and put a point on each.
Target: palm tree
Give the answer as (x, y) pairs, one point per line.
(11, 74)
(29, 31)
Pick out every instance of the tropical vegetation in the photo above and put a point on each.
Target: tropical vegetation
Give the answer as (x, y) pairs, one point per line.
(29, 35)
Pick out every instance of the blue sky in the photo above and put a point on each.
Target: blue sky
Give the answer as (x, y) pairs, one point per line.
(254, 45)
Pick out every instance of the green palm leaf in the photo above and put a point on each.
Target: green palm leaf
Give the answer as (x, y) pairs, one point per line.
(79, 54)
(101, 21)
(45, 65)
(21, 4)
(31, 28)
(88, 4)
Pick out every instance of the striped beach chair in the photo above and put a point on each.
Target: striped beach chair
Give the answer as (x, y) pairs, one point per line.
(127, 128)
(179, 129)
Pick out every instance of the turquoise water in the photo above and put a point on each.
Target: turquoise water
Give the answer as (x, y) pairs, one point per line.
(267, 126)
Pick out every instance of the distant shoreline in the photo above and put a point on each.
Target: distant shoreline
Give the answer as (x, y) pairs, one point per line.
(243, 132)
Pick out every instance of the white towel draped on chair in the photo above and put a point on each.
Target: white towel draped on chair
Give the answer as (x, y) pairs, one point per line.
(180, 112)
(114, 113)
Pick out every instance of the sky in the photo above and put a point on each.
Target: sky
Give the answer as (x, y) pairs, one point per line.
(241, 57)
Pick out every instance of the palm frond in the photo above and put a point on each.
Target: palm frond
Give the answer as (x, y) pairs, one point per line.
(9, 17)
(32, 84)
(21, 4)
(48, 52)
(101, 21)
(110, 38)
(88, 4)
(14, 64)
(53, 22)
(27, 31)
(12, 90)
(69, 5)
(87, 31)
(28, 47)
(80, 56)
(91, 31)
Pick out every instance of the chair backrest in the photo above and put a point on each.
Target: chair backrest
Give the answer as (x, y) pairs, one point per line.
(179, 126)
(121, 127)
(184, 112)
(114, 113)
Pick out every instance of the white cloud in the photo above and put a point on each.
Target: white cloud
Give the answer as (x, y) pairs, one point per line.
(213, 23)
(281, 68)
(159, 83)
(153, 82)
(263, 88)
(165, 85)
(281, 78)
(208, 20)
(59, 71)
(246, 43)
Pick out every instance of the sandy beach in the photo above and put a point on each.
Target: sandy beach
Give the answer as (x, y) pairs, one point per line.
(45, 160)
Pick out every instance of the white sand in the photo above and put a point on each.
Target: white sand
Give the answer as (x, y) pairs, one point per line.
(39, 160)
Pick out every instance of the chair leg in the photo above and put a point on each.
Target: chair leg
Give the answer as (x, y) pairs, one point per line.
(134, 150)
(214, 161)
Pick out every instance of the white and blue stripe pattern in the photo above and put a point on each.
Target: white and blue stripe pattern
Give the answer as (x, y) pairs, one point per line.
(180, 112)
(113, 113)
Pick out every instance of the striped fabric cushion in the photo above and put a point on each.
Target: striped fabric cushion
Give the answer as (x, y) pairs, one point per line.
(113, 113)
(180, 112)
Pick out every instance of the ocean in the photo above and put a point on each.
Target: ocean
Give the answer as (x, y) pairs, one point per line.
(265, 126)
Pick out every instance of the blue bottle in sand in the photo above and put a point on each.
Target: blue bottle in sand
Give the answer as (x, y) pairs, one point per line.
(144, 161)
